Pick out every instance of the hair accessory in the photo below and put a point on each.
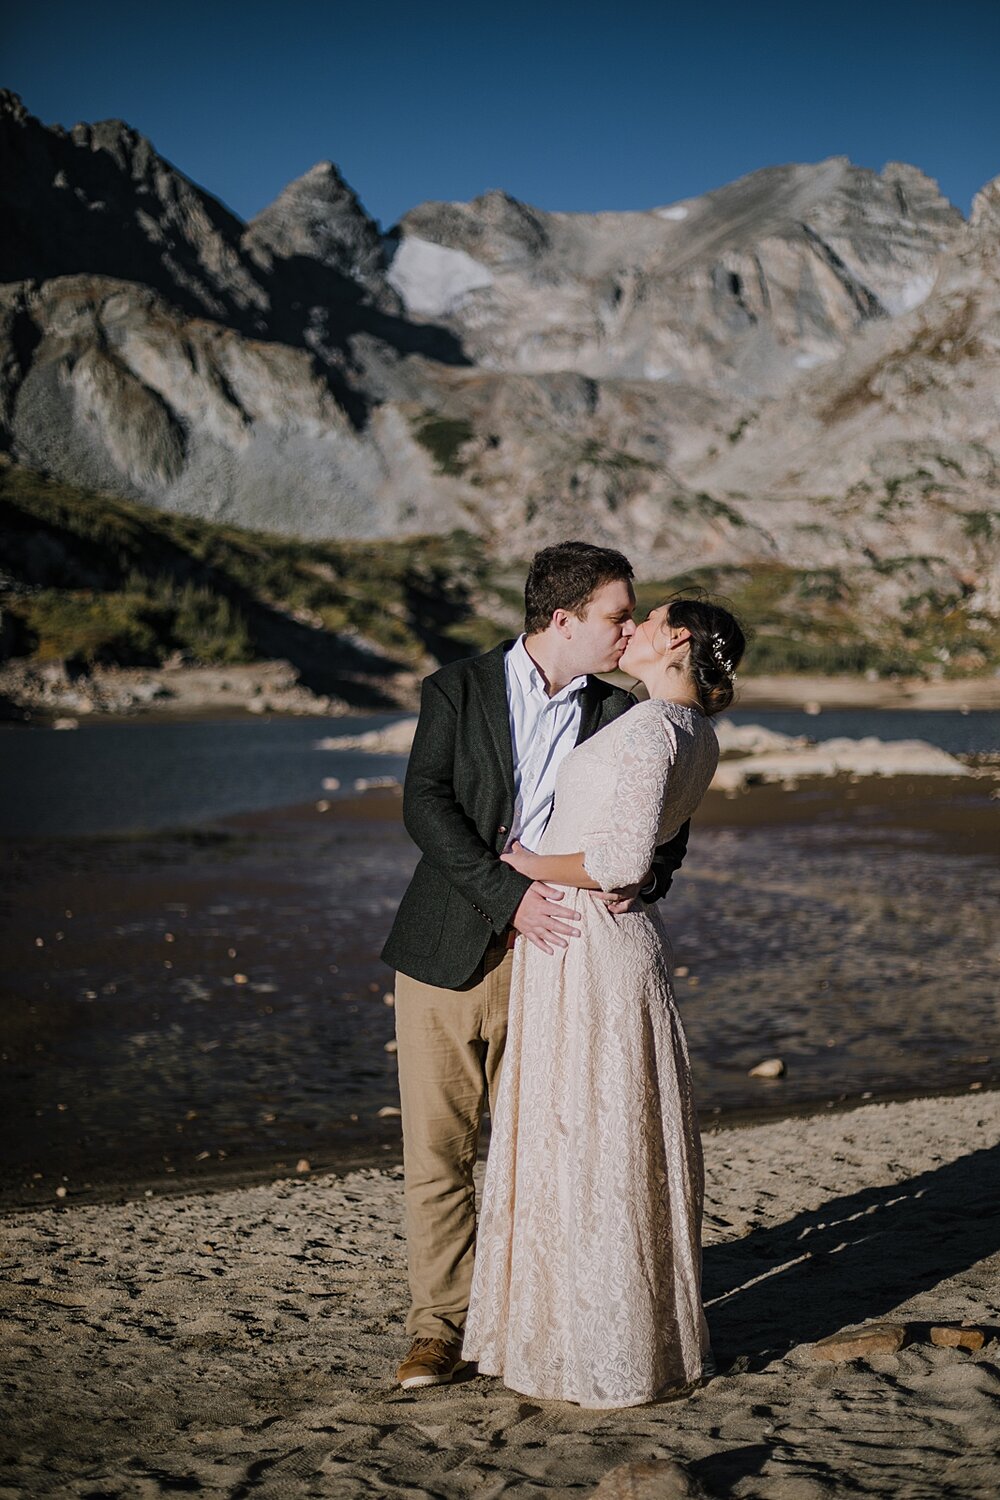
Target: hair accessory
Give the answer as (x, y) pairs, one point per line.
(722, 660)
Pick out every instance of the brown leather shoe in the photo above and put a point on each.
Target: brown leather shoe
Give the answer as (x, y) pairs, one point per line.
(430, 1362)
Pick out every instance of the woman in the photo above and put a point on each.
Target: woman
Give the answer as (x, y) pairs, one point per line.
(587, 1283)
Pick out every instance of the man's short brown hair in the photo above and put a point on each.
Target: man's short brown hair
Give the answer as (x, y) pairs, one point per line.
(567, 576)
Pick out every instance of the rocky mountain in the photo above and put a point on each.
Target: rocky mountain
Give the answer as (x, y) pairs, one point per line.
(798, 369)
(98, 199)
(736, 291)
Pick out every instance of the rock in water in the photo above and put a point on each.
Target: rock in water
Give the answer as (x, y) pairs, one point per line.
(860, 1343)
(771, 1067)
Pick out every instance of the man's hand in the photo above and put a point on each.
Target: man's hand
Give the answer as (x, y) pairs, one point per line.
(621, 901)
(542, 920)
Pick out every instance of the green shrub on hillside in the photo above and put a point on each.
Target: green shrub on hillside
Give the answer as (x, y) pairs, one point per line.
(443, 437)
(87, 629)
(94, 579)
(138, 584)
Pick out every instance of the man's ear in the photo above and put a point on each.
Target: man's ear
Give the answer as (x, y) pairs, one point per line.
(561, 621)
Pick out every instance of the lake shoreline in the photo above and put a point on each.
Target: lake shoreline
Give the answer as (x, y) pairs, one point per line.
(42, 694)
(221, 1178)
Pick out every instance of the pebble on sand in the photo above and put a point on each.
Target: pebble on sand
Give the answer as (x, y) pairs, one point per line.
(302, 1166)
(649, 1479)
(389, 1112)
(771, 1067)
(946, 1337)
(859, 1343)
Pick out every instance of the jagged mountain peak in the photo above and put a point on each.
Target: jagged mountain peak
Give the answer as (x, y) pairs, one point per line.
(131, 151)
(319, 217)
(986, 206)
(684, 380)
(738, 289)
(323, 180)
(906, 172)
(98, 199)
(13, 105)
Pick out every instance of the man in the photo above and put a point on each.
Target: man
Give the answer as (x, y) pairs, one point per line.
(491, 735)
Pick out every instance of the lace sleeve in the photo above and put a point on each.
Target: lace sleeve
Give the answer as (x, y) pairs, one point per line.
(618, 849)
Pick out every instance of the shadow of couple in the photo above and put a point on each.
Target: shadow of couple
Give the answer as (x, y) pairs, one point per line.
(851, 1260)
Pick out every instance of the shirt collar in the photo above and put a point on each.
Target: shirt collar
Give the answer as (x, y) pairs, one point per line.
(531, 679)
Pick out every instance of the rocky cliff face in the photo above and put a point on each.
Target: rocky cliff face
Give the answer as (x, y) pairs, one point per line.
(736, 291)
(98, 199)
(800, 366)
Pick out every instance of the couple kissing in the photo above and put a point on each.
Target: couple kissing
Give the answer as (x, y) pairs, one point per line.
(551, 811)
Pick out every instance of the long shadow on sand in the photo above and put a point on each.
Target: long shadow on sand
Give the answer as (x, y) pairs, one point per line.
(867, 1252)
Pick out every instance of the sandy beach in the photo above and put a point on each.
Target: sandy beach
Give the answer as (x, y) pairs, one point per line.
(241, 1343)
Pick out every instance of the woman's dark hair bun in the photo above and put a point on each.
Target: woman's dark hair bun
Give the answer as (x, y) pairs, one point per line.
(717, 647)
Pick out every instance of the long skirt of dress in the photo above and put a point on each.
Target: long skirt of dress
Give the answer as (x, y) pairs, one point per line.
(587, 1283)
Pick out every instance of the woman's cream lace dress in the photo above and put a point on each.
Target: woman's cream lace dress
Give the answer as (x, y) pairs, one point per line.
(587, 1283)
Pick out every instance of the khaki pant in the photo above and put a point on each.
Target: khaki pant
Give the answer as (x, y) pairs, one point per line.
(450, 1048)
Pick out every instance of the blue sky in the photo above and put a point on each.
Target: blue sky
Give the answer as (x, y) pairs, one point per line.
(568, 106)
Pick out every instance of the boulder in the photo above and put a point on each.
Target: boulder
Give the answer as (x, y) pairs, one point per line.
(861, 1343)
(649, 1479)
(947, 1336)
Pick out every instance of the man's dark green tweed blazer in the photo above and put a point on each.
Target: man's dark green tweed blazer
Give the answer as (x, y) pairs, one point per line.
(458, 805)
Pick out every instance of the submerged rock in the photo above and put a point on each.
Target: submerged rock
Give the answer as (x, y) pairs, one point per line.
(771, 1067)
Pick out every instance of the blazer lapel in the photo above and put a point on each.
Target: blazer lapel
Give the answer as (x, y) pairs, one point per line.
(590, 718)
(493, 686)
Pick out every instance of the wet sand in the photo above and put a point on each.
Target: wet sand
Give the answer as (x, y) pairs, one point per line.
(212, 1010)
(242, 1343)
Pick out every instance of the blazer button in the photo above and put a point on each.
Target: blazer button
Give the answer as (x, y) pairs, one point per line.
(503, 828)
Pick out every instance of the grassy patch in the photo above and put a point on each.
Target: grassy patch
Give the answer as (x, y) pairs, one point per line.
(91, 579)
(95, 579)
(444, 438)
(596, 455)
(820, 621)
(981, 525)
(704, 504)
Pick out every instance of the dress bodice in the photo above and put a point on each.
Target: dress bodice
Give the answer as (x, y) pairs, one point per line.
(630, 787)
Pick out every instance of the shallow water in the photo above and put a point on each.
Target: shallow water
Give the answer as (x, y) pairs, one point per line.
(143, 776)
(975, 732)
(190, 1004)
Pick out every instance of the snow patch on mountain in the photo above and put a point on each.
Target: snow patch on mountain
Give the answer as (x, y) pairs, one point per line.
(435, 280)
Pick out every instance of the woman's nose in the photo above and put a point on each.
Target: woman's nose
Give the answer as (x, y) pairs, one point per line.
(628, 628)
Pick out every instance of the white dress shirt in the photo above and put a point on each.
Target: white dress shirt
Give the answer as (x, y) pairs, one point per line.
(542, 731)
